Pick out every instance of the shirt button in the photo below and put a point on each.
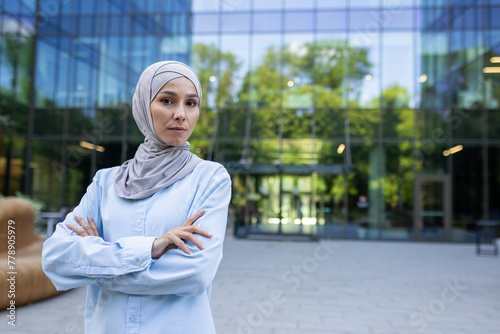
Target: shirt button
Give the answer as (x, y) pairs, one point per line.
(138, 263)
(132, 319)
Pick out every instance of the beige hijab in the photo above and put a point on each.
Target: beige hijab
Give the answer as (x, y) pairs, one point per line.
(155, 165)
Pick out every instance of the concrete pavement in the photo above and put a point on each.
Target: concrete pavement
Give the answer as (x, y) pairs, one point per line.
(336, 286)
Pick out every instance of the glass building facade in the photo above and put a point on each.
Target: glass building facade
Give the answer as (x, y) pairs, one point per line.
(364, 119)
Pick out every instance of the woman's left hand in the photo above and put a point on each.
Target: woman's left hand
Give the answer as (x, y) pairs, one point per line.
(86, 229)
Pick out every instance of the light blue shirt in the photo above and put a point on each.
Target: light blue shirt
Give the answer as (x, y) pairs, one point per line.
(128, 291)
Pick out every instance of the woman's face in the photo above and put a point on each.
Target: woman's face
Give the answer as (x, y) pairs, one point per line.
(175, 110)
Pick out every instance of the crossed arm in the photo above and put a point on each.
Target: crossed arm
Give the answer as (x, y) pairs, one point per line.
(174, 238)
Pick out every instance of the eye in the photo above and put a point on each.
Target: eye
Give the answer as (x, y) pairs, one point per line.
(167, 101)
(192, 103)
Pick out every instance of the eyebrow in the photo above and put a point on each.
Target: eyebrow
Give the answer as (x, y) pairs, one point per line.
(169, 92)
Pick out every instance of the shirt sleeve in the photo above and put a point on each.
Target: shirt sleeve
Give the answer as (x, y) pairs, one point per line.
(177, 272)
(72, 261)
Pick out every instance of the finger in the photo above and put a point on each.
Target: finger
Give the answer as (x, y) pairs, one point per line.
(195, 241)
(181, 244)
(93, 225)
(78, 230)
(200, 231)
(84, 225)
(193, 218)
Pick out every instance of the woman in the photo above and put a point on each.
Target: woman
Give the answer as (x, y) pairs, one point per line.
(152, 239)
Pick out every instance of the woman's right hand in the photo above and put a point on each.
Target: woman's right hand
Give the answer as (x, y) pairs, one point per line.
(177, 237)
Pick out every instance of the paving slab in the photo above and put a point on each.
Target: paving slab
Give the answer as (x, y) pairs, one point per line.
(329, 286)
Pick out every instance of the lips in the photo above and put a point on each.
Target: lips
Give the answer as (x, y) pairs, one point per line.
(177, 129)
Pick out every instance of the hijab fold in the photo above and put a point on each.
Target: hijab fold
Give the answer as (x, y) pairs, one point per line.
(155, 165)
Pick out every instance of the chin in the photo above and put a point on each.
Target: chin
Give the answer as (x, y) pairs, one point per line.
(174, 142)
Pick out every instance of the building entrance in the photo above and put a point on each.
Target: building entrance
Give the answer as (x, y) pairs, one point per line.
(291, 203)
(432, 207)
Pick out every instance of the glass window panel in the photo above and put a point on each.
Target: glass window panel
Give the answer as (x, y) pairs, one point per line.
(365, 22)
(137, 53)
(77, 161)
(63, 75)
(434, 48)
(111, 156)
(467, 180)
(116, 25)
(401, 19)
(396, 5)
(297, 123)
(205, 57)
(266, 4)
(330, 124)
(174, 46)
(233, 69)
(431, 128)
(235, 22)
(298, 4)
(49, 122)
(86, 25)
(364, 182)
(68, 25)
(45, 73)
(88, 7)
(364, 3)
(299, 21)
(30, 6)
(205, 6)
(109, 122)
(266, 75)
(80, 122)
(397, 192)
(205, 23)
(463, 18)
(363, 123)
(466, 123)
(331, 20)
(175, 24)
(231, 131)
(494, 183)
(12, 7)
(268, 22)
(237, 5)
(363, 69)
(175, 6)
(398, 123)
(494, 14)
(82, 85)
(7, 56)
(264, 145)
(433, 18)
(330, 75)
(397, 69)
(47, 173)
(325, 4)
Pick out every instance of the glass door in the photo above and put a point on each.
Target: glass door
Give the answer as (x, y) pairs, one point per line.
(432, 208)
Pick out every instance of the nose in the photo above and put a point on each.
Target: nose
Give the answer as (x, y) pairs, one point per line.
(180, 113)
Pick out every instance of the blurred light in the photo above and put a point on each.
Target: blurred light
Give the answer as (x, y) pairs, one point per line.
(495, 60)
(212, 79)
(80, 87)
(453, 150)
(91, 146)
(198, 150)
(341, 148)
(368, 77)
(423, 78)
(491, 70)
(290, 83)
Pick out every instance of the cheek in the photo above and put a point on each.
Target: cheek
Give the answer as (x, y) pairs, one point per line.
(195, 118)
